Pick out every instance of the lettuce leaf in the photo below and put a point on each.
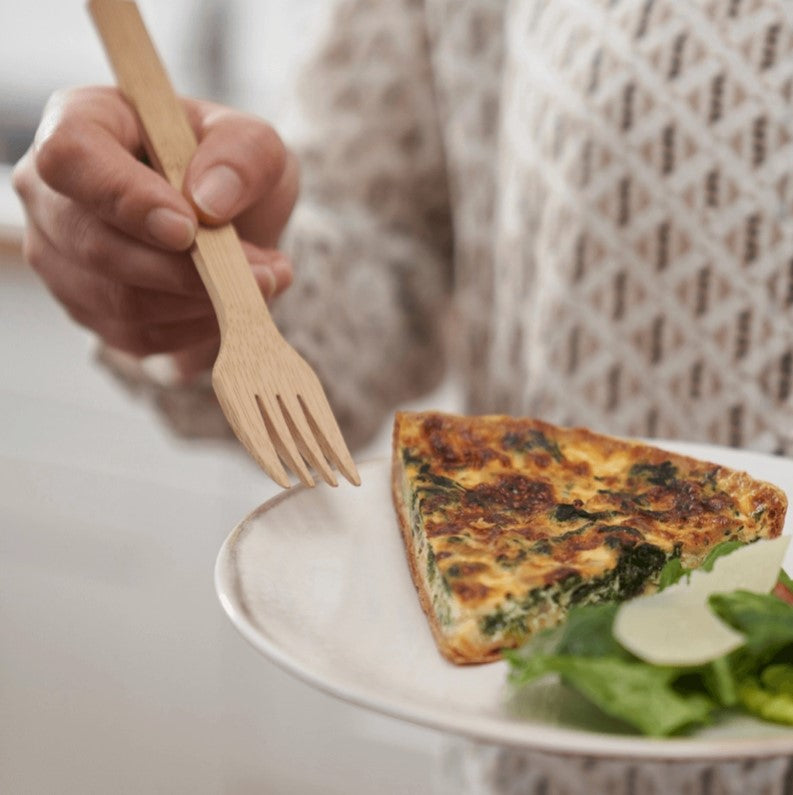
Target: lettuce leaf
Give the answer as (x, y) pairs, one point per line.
(719, 680)
(770, 696)
(765, 620)
(779, 678)
(587, 632)
(637, 693)
(665, 700)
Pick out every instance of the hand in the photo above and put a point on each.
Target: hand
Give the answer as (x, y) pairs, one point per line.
(109, 236)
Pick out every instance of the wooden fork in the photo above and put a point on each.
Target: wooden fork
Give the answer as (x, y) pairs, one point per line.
(272, 399)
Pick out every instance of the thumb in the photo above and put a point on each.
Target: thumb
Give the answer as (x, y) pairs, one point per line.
(239, 162)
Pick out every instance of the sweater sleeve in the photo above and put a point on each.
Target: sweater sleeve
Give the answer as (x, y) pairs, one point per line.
(370, 237)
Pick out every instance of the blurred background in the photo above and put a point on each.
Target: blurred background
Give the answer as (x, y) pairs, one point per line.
(241, 52)
(118, 671)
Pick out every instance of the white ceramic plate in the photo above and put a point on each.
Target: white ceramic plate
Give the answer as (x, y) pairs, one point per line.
(316, 579)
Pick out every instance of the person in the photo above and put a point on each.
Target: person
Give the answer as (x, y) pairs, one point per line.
(583, 209)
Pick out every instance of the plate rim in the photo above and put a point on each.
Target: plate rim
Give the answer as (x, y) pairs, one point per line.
(558, 740)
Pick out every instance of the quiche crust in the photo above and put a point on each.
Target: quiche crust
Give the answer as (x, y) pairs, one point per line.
(508, 522)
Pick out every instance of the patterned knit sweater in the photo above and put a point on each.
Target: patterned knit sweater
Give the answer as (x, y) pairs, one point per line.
(585, 205)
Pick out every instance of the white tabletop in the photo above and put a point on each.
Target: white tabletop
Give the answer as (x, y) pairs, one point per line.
(119, 672)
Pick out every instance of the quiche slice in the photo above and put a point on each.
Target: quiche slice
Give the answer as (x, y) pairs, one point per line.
(509, 522)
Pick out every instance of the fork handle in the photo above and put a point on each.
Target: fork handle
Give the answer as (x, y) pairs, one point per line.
(170, 143)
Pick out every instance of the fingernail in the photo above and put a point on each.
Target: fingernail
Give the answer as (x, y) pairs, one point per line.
(264, 275)
(217, 192)
(170, 228)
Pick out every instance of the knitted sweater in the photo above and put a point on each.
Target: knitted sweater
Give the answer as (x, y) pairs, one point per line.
(586, 206)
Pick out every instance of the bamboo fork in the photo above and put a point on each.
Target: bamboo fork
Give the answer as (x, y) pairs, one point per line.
(272, 399)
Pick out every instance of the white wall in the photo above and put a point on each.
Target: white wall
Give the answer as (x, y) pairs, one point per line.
(47, 44)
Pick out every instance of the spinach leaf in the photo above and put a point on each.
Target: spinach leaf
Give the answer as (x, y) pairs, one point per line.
(656, 474)
(719, 679)
(587, 632)
(526, 441)
(674, 571)
(637, 693)
(724, 548)
(765, 620)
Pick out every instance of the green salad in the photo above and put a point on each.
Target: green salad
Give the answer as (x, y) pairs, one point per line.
(713, 639)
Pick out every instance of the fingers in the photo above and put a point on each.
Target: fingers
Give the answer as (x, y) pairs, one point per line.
(240, 159)
(272, 269)
(132, 319)
(241, 166)
(142, 341)
(87, 149)
(88, 294)
(136, 319)
(91, 244)
(196, 359)
(265, 220)
(88, 146)
(110, 237)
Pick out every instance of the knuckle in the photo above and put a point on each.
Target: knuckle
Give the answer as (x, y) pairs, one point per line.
(63, 96)
(268, 146)
(71, 301)
(87, 241)
(268, 139)
(56, 154)
(32, 250)
(21, 177)
(60, 144)
(114, 193)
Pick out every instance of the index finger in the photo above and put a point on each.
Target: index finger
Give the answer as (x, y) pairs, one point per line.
(88, 148)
